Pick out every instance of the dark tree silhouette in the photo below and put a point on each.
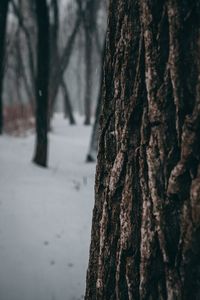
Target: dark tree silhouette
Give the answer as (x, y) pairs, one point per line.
(88, 11)
(67, 104)
(3, 18)
(89, 25)
(146, 220)
(42, 82)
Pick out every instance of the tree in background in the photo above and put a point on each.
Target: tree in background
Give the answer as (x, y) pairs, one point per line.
(93, 148)
(62, 63)
(56, 66)
(3, 18)
(24, 12)
(79, 18)
(146, 220)
(42, 83)
(89, 25)
(24, 93)
(89, 10)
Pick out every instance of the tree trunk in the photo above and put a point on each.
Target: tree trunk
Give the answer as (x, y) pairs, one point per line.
(28, 32)
(3, 18)
(90, 25)
(88, 75)
(54, 57)
(146, 220)
(67, 104)
(62, 64)
(42, 81)
(92, 153)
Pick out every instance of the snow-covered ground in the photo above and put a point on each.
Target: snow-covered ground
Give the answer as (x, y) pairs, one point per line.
(45, 216)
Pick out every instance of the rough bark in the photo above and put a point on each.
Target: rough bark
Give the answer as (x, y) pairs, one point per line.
(146, 220)
(3, 18)
(42, 81)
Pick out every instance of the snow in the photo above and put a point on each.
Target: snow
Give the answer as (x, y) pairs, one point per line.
(45, 216)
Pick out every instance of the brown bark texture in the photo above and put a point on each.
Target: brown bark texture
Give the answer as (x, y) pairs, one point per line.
(146, 220)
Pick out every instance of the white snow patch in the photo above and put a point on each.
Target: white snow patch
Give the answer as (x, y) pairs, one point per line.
(45, 216)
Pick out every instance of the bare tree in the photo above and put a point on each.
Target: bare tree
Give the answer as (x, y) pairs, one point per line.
(28, 70)
(63, 60)
(55, 61)
(146, 220)
(67, 104)
(88, 11)
(42, 83)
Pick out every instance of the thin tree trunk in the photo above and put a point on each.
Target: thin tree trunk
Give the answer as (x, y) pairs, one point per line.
(40, 156)
(90, 26)
(88, 75)
(26, 31)
(67, 103)
(18, 71)
(146, 220)
(80, 62)
(28, 88)
(3, 18)
(63, 63)
(54, 50)
(92, 153)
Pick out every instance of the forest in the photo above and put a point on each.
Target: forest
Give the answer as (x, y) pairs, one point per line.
(99, 149)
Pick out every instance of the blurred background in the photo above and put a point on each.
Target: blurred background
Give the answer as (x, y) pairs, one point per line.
(51, 54)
